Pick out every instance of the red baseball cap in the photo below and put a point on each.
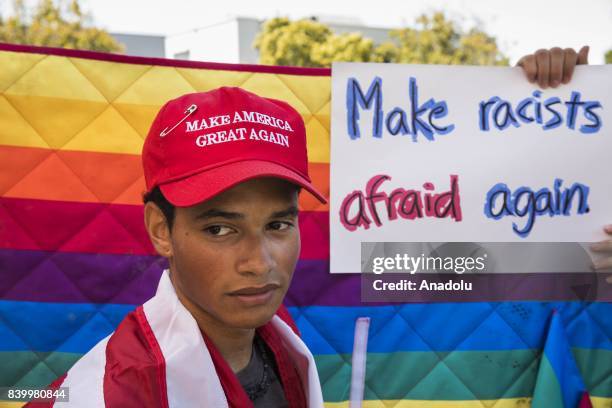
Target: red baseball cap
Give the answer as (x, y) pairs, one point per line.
(201, 144)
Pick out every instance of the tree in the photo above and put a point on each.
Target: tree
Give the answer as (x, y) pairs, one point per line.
(609, 57)
(345, 47)
(55, 25)
(434, 40)
(308, 43)
(287, 43)
(282, 42)
(437, 40)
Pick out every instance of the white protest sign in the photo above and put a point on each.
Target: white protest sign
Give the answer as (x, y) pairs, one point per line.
(438, 153)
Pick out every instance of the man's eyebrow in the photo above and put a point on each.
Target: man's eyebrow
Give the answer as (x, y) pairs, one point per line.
(215, 213)
(289, 212)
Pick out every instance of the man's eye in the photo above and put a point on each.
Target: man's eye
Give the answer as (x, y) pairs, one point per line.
(279, 225)
(218, 230)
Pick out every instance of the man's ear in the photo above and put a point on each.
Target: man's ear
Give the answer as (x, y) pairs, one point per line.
(158, 229)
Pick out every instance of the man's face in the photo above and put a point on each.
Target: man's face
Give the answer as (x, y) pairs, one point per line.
(233, 256)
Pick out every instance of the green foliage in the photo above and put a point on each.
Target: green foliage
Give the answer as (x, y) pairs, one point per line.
(55, 25)
(434, 40)
(345, 47)
(609, 57)
(437, 40)
(282, 42)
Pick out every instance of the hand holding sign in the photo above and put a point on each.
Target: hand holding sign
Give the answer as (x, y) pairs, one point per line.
(553, 67)
(604, 247)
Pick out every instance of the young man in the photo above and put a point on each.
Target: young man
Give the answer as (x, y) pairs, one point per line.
(232, 163)
(223, 171)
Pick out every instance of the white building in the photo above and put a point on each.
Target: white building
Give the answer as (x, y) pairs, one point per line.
(229, 41)
(142, 45)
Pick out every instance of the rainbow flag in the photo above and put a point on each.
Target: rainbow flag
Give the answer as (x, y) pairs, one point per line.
(75, 258)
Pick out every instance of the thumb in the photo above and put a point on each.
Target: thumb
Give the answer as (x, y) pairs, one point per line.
(583, 56)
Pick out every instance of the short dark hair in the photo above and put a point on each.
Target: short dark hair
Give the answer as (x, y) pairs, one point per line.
(157, 197)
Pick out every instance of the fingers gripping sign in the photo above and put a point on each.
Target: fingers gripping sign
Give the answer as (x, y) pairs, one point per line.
(550, 68)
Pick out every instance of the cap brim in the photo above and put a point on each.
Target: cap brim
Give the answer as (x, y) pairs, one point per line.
(207, 184)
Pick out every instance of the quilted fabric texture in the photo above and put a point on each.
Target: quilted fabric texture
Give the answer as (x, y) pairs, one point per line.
(74, 256)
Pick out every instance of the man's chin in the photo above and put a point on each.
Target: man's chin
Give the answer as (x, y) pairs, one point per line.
(252, 320)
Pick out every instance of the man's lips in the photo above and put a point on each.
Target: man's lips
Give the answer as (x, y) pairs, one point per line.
(255, 295)
(255, 290)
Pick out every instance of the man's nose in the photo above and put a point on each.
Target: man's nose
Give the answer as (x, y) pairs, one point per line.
(257, 257)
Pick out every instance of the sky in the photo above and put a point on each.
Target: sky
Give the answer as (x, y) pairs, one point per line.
(520, 26)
